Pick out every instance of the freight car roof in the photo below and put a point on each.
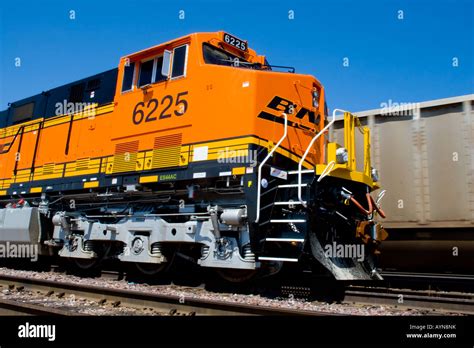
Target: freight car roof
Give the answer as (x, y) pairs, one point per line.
(420, 105)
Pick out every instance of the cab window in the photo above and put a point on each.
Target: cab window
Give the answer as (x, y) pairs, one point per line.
(218, 56)
(128, 77)
(146, 72)
(150, 71)
(159, 64)
(179, 61)
(214, 55)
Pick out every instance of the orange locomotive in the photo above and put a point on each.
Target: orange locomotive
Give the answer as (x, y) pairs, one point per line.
(196, 145)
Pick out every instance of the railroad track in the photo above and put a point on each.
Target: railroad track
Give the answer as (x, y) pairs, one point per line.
(426, 277)
(458, 302)
(404, 295)
(429, 281)
(9, 307)
(166, 304)
(398, 294)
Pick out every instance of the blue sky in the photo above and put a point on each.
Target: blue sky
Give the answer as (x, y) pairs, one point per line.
(405, 60)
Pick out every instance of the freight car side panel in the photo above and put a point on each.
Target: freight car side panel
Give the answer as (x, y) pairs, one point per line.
(395, 139)
(448, 149)
(426, 163)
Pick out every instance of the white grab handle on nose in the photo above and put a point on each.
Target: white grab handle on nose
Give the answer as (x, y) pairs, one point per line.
(300, 164)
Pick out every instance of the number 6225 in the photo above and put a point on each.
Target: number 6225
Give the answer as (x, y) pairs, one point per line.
(148, 112)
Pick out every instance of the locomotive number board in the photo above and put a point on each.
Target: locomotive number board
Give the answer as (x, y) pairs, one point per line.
(235, 42)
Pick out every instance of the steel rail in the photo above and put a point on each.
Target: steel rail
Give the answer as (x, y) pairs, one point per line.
(140, 299)
(408, 298)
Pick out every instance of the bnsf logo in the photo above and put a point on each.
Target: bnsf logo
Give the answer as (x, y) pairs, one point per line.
(287, 106)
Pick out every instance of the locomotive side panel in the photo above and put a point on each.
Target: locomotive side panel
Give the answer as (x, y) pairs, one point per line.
(197, 108)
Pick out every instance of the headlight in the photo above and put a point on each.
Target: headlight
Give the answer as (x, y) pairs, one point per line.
(375, 174)
(315, 98)
(341, 155)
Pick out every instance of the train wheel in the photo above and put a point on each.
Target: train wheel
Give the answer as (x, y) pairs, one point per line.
(236, 275)
(151, 269)
(101, 251)
(84, 267)
(86, 264)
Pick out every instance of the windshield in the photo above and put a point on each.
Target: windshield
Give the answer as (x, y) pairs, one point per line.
(214, 55)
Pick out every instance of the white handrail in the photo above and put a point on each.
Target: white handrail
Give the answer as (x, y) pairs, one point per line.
(270, 154)
(327, 170)
(300, 164)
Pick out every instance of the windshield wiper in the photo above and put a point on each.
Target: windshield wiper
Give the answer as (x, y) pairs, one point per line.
(260, 66)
